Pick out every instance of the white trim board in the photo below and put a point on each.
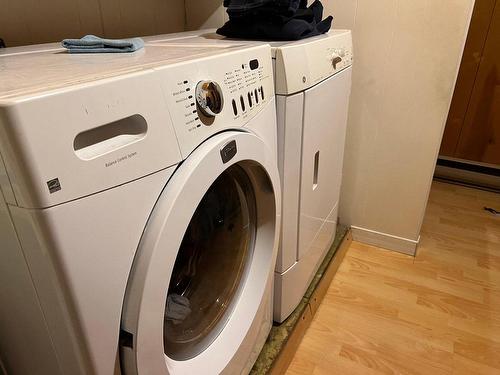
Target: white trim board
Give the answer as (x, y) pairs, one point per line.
(387, 241)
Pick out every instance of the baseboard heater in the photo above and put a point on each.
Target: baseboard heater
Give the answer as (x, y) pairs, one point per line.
(468, 173)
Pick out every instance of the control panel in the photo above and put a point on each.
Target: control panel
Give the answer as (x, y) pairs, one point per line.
(245, 88)
(300, 65)
(340, 57)
(220, 92)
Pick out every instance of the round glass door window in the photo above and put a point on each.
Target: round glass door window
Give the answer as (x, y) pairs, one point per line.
(210, 266)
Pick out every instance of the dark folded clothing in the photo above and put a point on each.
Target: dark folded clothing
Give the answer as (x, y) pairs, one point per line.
(245, 8)
(292, 30)
(261, 23)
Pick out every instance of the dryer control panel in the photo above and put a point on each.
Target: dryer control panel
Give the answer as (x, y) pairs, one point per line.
(305, 63)
(216, 93)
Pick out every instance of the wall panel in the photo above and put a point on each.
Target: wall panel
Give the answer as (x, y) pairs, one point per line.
(25, 22)
(406, 57)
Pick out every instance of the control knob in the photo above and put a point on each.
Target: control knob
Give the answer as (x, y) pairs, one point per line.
(209, 98)
(336, 59)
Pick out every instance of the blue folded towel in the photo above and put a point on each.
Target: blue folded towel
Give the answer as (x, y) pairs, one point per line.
(94, 44)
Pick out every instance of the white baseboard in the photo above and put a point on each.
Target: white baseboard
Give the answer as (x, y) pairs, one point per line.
(387, 241)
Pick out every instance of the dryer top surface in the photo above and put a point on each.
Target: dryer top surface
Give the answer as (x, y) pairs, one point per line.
(299, 64)
(209, 37)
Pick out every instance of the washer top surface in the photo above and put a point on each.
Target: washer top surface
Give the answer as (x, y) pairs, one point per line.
(26, 71)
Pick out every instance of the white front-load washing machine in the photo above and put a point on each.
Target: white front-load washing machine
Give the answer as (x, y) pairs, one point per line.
(139, 217)
(312, 85)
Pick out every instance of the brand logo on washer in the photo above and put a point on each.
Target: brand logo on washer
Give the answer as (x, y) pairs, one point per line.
(54, 185)
(228, 151)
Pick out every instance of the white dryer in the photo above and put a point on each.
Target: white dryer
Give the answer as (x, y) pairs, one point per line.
(312, 85)
(139, 216)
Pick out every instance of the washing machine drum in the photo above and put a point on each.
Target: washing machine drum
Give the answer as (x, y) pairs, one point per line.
(201, 280)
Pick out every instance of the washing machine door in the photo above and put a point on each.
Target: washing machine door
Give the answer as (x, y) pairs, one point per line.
(199, 292)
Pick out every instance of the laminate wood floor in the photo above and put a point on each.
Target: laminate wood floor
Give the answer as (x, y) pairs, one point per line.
(437, 313)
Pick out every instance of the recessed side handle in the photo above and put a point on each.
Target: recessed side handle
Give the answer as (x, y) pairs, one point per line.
(109, 137)
(316, 169)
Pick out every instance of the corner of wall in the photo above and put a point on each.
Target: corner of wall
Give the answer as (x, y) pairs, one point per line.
(204, 14)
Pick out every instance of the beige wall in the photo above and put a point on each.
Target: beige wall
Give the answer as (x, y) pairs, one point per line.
(406, 58)
(343, 12)
(30, 21)
(204, 14)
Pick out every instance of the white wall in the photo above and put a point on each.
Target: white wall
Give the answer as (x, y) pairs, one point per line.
(406, 58)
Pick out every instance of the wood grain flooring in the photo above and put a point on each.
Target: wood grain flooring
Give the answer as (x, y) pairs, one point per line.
(437, 313)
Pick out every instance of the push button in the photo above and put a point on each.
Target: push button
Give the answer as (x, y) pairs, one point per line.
(235, 109)
(256, 96)
(242, 102)
(254, 64)
(250, 100)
